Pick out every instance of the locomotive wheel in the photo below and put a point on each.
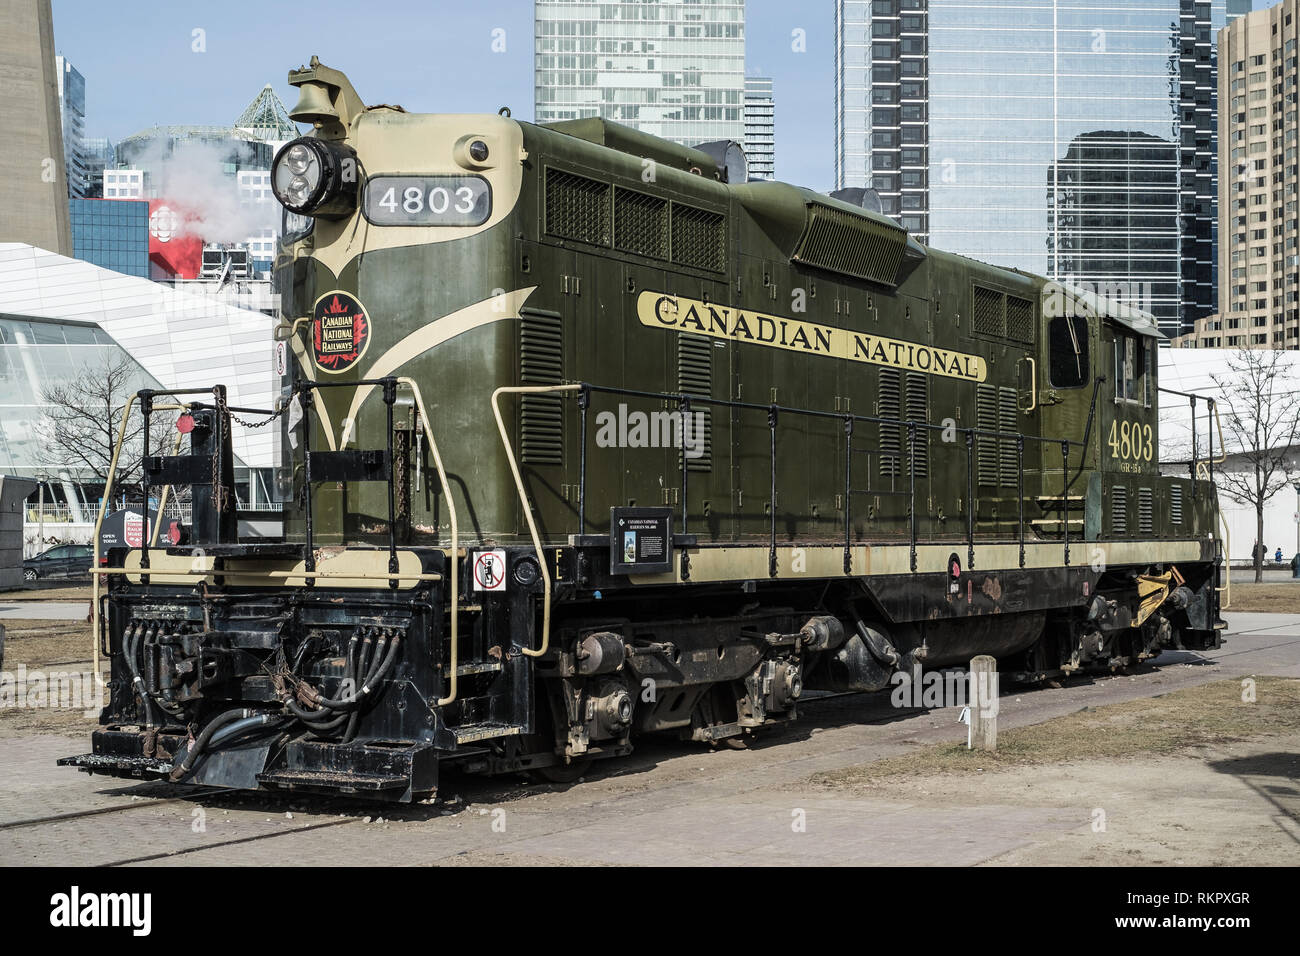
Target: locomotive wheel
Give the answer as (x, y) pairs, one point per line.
(564, 773)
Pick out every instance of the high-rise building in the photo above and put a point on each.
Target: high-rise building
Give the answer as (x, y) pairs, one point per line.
(1259, 209)
(100, 155)
(112, 234)
(72, 112)
(33, 184)
(1075, 141)
(760, 127)
(675, 69)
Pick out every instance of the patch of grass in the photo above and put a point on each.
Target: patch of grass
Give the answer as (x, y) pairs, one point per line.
(1281, 597)
(38, 642)
(1212, 713)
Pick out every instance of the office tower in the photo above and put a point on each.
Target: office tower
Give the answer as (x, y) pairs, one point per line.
(674, 69)
(760, 127)
(964, 115)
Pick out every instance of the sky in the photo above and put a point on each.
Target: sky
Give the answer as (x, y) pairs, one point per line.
(180, 63)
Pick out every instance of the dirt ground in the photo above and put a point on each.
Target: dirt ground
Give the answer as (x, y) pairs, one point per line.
(79, 592)
(1163, 778)
(38, 651)
(39, 643)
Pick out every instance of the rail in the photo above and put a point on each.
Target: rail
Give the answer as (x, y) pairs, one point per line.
(1202, 468)
(775, 412)
(310, 573)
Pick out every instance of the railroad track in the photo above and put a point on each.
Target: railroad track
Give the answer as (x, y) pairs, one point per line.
(97, 811)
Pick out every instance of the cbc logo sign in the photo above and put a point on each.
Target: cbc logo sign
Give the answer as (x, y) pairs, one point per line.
(163, 223)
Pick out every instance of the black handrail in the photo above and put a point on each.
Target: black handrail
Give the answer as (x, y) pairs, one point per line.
(774, 411)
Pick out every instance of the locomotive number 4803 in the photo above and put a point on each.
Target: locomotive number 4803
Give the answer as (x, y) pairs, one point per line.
(1130, 441)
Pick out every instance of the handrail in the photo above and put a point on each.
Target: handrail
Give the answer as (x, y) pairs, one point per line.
(455, 533)
(99, 523)
(523, 499)
(167, 489)
(1226, 589)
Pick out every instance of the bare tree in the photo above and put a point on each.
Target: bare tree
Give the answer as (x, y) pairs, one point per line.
(82, 419)
(1262, 419)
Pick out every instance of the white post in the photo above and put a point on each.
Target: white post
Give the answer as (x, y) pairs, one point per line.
(983, 703)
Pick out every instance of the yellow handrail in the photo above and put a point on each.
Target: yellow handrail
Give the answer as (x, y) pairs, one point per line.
(455, 535)
(99, 523)
(523, 499)
(97, 572)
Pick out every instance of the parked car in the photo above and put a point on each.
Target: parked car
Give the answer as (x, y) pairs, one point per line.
(63, 561)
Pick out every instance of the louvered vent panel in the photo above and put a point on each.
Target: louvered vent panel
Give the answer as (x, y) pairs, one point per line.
(541, 362)
(987, 312)
(986, 449)
(640, 223)
(851, 244)
(695, 377)
(1145, 511)
(1008, 421)
(918, 410)
(1176, 504)
(890, 405)
(577, 207)
(1119, 510)
(1020, 319)
(699, 238)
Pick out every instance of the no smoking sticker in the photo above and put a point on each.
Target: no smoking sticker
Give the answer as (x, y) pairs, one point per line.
(490, 570)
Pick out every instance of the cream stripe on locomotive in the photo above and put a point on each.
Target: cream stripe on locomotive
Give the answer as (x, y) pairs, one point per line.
(750, 563)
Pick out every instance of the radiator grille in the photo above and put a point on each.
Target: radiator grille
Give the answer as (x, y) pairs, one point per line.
(918, 410)
(986, 449)
(640, 223)
(1145, 510)
(541, 362)
(889, 405)
(695, 377)
(1008, 421)
(1020, 319)
(1176, 504)
(577, 207)
(853, 245)
(988, 312)
(699, 238)
(1119, 510)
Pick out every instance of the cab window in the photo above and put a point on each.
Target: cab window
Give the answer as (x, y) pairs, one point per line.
(1132, 369)
(1067, 345)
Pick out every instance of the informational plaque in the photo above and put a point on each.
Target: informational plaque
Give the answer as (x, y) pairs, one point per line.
(640, 540)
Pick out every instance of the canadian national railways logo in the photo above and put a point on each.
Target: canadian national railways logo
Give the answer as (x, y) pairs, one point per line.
(340, 332)
(662, 311)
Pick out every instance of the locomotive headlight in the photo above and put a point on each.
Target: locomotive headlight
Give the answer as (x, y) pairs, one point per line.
(315, 177)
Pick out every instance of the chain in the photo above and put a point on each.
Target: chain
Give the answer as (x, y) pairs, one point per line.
(218, 488)
(229, 416)
(219, 491)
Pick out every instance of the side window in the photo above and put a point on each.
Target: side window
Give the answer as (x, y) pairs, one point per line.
(1132, 369)
(1067, 351)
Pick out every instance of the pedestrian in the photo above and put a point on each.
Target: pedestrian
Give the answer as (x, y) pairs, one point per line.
(1278, 557)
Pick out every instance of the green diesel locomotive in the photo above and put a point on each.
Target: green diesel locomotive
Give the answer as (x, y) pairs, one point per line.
(584, 436)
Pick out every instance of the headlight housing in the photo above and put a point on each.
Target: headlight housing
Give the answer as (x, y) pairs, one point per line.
(315, 177)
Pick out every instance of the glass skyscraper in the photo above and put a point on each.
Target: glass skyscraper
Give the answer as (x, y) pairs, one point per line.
(72, 112)
(760, 127)
(1071, 138)
(674, 69)
(112, 234)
